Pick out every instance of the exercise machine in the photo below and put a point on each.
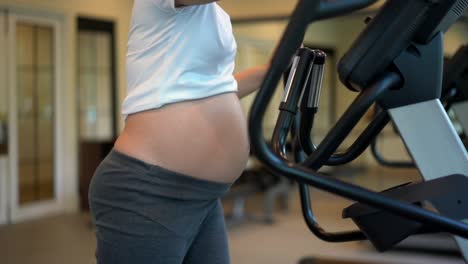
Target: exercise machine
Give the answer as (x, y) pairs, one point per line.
(454, 97)
(403, 42)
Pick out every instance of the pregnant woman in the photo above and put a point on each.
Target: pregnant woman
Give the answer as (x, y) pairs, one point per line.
(156, 197)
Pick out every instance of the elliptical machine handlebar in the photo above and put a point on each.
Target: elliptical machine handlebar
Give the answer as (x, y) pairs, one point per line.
(305, 172)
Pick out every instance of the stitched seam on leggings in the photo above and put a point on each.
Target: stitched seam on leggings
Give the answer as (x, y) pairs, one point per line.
(127, 209)
(208, 214)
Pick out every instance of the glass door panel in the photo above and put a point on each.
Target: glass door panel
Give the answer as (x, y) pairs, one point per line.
(35, 71)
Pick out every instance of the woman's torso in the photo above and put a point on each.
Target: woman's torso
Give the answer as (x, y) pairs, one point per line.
(181, 111)
(205, 139)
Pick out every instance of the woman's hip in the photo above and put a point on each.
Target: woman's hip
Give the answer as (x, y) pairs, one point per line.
(124, 189)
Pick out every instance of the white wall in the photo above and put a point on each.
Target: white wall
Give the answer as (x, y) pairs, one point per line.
(118, 11)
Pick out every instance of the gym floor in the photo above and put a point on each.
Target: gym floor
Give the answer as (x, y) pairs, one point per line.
(69, 238)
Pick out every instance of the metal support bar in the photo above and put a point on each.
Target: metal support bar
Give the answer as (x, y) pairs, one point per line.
(433, 143)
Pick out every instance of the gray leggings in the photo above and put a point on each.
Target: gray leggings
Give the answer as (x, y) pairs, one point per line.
(146, 214)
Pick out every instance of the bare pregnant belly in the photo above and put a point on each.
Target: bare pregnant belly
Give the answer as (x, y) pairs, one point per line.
(205, 139)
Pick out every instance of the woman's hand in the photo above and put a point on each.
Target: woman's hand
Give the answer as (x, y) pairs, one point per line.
(250, 80)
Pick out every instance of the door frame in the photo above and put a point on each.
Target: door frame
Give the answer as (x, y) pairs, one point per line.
(3, 157)
(38, 209)
(3, 190)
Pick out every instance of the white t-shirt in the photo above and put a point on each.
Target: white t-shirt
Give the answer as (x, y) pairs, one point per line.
(177, 54)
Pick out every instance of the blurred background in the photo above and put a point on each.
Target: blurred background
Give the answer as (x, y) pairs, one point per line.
(62, 80)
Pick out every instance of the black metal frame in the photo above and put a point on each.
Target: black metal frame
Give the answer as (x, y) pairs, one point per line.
(454, 89)
(379, 157)
(305, 173)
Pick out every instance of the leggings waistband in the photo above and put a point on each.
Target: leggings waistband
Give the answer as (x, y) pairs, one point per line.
(155, 179)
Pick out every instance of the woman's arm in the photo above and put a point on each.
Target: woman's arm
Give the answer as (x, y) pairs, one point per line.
(250, 80)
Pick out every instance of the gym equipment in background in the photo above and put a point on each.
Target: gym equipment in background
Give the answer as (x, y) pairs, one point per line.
(256, 182)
